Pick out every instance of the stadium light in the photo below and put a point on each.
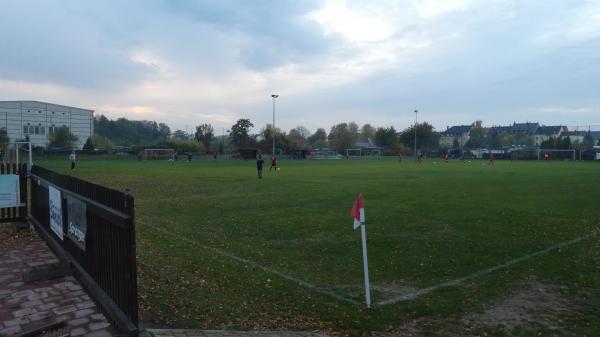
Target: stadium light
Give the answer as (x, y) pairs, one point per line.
(274, 96)
(416, 113)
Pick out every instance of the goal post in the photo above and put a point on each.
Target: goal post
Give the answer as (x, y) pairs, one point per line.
(17, 153)
(159, 154)
(556, 154)
(353, 153)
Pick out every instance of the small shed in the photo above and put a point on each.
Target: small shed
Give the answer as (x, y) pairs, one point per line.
(299, 153)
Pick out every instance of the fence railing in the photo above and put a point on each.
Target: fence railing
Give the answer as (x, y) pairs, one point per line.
(14, 214)
(102, 252)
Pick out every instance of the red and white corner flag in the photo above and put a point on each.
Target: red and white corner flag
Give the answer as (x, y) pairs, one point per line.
(358, 211)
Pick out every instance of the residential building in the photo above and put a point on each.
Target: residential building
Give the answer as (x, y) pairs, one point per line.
(458, 132)
(544, 133)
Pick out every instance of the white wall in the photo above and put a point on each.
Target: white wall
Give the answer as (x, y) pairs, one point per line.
(39, 117)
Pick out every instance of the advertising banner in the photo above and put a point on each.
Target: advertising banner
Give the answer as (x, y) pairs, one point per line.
(77, 227)
(9, 191)
(55, 203)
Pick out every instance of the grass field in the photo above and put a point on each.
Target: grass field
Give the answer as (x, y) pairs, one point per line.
(219, 248)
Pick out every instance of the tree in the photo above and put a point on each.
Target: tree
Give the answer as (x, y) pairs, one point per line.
(565, 143)
(342, 137)
(3, 136)
(180, 135)
(318, 139)
(62, 138)
(281, 141)
(88, 146)
(204, 134)
(367, 132)
(427, 138)
(386, 137)
(476, 136)
(298, 137)
(164, 131)
(240, 132)
(588, 141)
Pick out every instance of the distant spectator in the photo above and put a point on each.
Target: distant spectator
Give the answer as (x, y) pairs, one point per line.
(72, 159)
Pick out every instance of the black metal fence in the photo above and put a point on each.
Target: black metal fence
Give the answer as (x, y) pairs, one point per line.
(13, 214)
(103, 254)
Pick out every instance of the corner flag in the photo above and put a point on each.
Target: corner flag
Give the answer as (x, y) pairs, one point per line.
(358, 213)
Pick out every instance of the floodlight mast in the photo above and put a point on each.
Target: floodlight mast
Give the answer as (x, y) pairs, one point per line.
(273, 131)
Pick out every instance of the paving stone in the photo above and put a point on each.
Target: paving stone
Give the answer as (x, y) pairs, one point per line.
(47, 306)
(99, 333)
(24, 312)
(78, 321)
(33, 303)
(98, 325)
(97, 317)
(65, 310)
(84, 312)
(77, 331)
(10, 331)
(85, 305)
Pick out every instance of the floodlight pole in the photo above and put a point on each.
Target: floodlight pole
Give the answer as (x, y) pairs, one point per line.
(416, 113)
(273, 125)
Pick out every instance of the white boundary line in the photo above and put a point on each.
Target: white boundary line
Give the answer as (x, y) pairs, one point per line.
(264, 268)
(458, 281)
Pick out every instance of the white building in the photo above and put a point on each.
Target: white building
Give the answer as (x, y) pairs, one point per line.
(38, 120)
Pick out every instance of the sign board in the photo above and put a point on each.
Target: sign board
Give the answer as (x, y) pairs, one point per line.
(77, 227)
(55, 206)
(9, 191)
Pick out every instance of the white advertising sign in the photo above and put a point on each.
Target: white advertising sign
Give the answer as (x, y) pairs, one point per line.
(55, 203)
(9, 191)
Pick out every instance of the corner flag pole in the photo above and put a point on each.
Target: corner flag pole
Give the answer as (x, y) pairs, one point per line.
(358, 213)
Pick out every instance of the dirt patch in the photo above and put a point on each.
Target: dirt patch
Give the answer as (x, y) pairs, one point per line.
(537, 304)
(10, 236)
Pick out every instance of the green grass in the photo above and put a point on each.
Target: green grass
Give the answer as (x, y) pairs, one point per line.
(426, 224)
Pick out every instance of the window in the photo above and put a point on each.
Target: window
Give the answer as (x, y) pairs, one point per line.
(42, 130)
(31, 129)
(37, 130)
(25, 129)
(51, 130)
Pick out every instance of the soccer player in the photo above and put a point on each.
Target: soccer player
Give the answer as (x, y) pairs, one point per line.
(259, 164)
(491, 162)
(446, 157)
(546, 156)
(273, 163)
(189, 155)
(72, 159)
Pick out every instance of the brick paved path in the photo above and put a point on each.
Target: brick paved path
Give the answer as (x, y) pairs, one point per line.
(22, 304)
(227, 333)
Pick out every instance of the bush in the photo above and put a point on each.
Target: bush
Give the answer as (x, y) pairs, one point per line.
(183, 146)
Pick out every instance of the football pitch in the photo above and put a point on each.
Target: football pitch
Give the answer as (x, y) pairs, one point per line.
(447, 243)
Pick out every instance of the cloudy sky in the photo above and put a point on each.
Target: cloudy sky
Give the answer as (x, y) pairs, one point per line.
(185, 62)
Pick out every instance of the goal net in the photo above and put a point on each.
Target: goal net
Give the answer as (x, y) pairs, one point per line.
(324, 154)
(159, 154)
(17, 153)
(556, 154)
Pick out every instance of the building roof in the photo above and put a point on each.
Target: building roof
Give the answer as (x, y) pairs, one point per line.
(574, 133)
(458, 129)
(37, 103)
(595, 135)
(365, 145)
(500, 129)
(525, 127)
(549, 130)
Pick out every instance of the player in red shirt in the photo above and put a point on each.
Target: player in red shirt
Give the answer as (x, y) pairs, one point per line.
(273, 163)
(546, 156)
(491, 159)
(446, 157)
